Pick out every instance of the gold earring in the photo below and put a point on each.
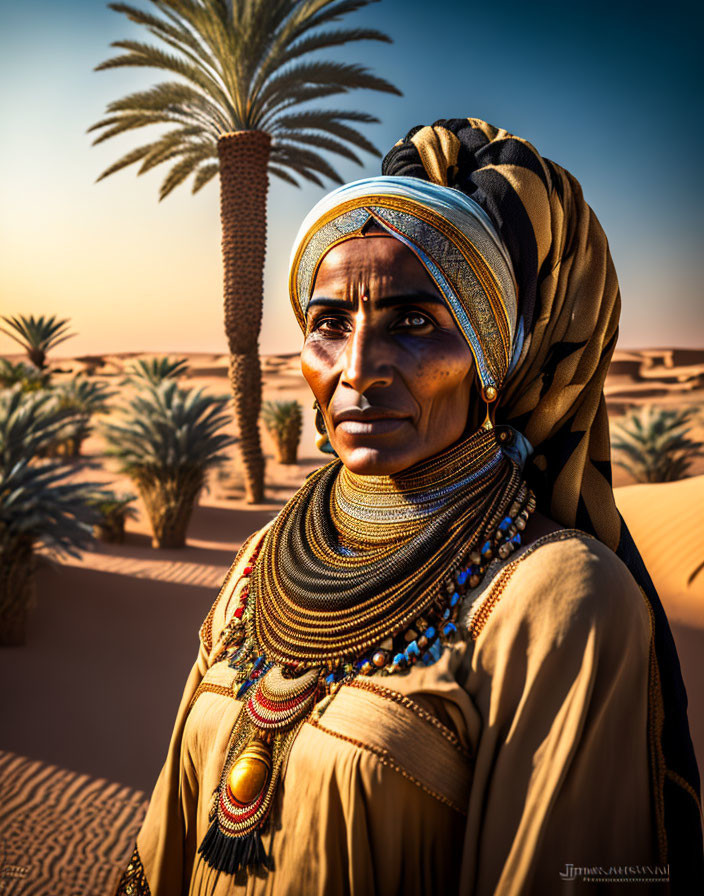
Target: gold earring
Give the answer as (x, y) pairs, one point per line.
(489, 394)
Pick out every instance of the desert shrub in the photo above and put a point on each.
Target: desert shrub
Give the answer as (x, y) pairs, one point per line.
(166, 441)
(30, 378)
(113, 511)
(84, 397)
(653, 443)
(156, 370)
(284, 422)
(39, 505)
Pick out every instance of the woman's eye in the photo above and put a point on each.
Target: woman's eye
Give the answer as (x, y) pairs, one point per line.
(415, 319)
(327, 325)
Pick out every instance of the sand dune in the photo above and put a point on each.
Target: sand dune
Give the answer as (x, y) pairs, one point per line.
(63, 834)
(667, 524)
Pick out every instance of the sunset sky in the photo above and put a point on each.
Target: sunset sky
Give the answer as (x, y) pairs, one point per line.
(608, 90)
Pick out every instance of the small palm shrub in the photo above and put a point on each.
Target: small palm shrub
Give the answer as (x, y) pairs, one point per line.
(84, 397)
(28, 377)
(653, 444)
(38, 504)
(284, 422)
(155, 370)
(113, 512)
(36, 335)
(167, 441)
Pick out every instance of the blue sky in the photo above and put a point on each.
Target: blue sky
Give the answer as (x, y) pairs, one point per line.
(608, 90)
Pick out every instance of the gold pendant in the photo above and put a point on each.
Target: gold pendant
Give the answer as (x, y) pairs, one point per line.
(251, 771)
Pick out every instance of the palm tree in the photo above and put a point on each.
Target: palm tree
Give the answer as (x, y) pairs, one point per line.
(245, 70)
(85, 397)
(167, 441)
(114, 510)
(284, 422)
(29, 377)
(38, 503)
(36, 335)
(653, 444)
(154, 370)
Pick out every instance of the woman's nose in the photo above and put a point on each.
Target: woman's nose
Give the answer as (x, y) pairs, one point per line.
(365, 361)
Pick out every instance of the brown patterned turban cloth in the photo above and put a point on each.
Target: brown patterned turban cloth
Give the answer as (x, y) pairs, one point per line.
(524, 266)
(568, 307)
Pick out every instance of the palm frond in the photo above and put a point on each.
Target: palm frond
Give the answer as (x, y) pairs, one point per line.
(130, 158)
(286, 153)
(315, 13)
(83, 398)
(297, 97)
(172, 144)
(172, 98)
(173, 33)
(180, 171)
(285, 175)
(204, 175)
(283, 54)
(118, 124)
(347, 75)
(306, 138)
(301, 170)
(328, 121)
(37, 498)
(27, 376)
(84, 395)
(156, 370)
(241, 65)
(149, 56)
(282, 416)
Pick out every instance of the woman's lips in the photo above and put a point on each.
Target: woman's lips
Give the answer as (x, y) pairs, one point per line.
(378, 426)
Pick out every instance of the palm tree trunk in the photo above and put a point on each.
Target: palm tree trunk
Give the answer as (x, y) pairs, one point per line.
(16, 589)
(244, 181)
(169, 503)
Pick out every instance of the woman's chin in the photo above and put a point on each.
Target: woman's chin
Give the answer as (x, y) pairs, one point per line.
(376, 460)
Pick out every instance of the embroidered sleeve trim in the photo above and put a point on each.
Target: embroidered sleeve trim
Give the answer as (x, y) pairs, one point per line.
(210, 688)
(134, 880)
(481, 609)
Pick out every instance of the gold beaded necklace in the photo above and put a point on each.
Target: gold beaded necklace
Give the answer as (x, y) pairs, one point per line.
(358, 575)
(356, 558)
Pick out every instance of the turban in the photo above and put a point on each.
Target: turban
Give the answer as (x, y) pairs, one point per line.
(450, 234)
(525, 268)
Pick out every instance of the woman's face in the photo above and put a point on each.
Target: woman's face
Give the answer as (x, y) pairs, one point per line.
(391, 371)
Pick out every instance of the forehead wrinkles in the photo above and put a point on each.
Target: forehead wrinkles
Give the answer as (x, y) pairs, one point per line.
(379, 264)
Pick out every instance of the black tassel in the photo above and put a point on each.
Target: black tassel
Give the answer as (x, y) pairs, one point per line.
(229, 854)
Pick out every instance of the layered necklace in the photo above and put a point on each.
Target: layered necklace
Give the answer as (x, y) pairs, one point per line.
(358, 575)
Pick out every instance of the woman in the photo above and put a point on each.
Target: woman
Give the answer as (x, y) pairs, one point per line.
(442, 668)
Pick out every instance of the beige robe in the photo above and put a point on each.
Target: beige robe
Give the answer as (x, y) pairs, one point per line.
(522, 751)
